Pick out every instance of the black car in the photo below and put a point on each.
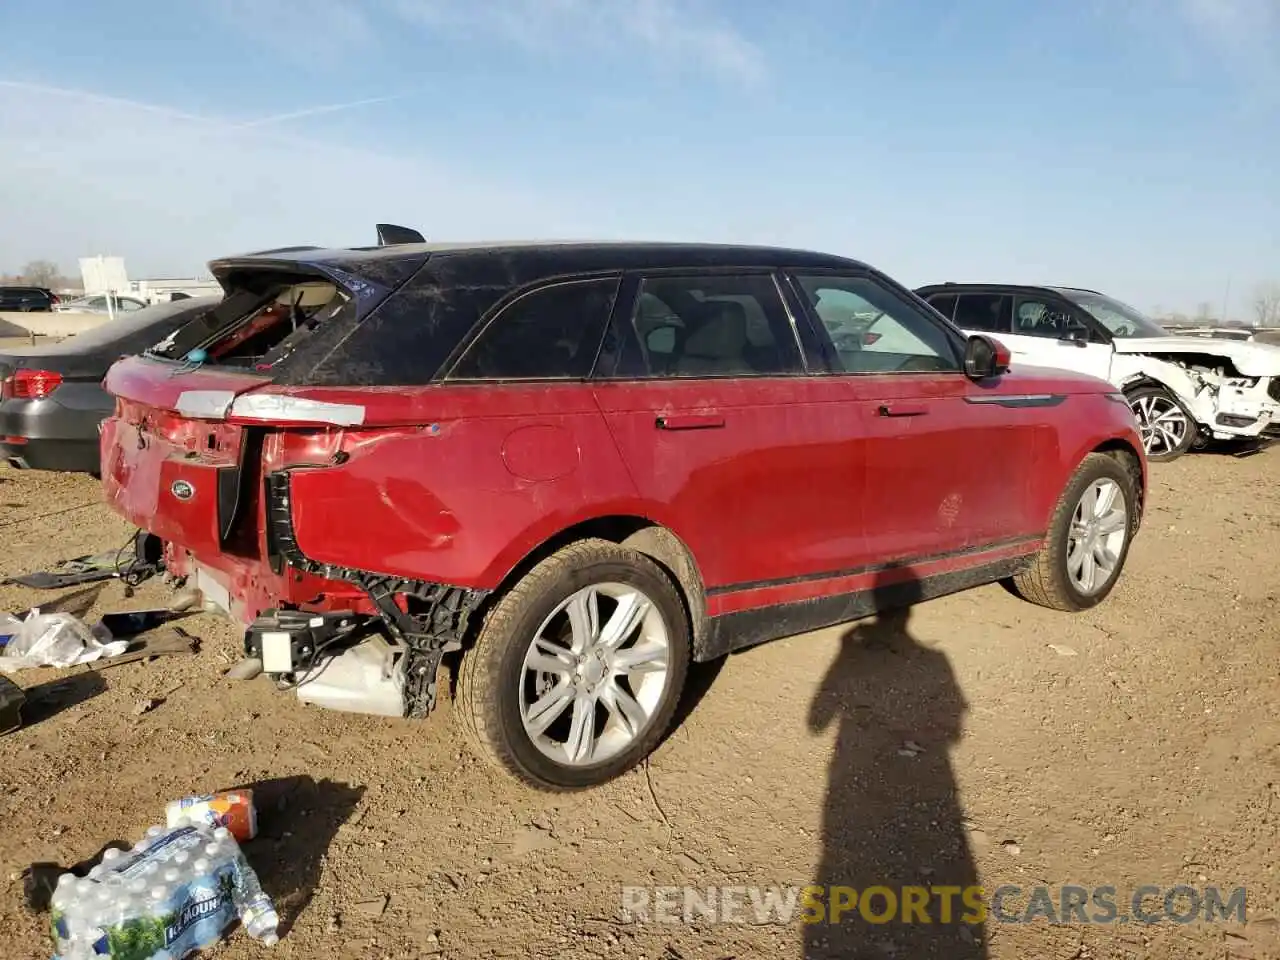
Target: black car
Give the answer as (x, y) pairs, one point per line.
(26, 299)
(51, 397)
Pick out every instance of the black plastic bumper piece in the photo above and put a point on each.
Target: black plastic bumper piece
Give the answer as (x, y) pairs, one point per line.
(309, 633)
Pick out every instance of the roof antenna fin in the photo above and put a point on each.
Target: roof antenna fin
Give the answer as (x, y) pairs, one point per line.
(389, 234)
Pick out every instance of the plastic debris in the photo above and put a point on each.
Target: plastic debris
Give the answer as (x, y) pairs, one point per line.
(176, 892)
(232, 809)
(56, 640)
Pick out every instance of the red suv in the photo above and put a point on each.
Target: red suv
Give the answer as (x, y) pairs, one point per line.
(584, 465)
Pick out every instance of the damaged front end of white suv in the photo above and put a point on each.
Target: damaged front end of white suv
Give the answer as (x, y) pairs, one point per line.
(1227, 389)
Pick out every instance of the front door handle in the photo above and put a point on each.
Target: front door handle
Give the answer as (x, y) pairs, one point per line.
(690, 421)
(903, 410)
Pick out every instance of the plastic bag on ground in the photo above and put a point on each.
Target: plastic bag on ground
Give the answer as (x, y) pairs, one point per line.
(176, 892)
(56, 640)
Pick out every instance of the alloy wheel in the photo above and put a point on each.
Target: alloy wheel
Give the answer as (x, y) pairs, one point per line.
(594, 674)
(1162, 422)
(1097, 535)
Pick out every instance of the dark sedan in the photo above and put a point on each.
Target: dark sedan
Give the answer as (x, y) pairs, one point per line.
(22, 299)
(51, 397)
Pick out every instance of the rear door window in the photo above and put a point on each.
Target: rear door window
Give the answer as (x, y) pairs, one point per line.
(549, 333)
(986, 312)
(714, 325)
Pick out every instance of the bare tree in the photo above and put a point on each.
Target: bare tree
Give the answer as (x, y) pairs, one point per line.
(1266, 305)
(41, 273)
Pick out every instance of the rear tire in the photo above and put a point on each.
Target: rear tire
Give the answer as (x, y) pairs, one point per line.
(1091, 529)
(1167, 427)
(577, 670)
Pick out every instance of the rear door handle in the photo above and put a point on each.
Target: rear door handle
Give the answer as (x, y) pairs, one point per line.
(690, 421)
(903, 410)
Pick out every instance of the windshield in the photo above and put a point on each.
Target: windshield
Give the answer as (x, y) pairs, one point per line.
(1120, 319)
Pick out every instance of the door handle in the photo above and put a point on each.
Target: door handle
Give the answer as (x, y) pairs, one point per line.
(690, 421)
(903, 410)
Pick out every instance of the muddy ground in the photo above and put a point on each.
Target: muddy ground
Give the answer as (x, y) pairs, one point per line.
(1138, 743)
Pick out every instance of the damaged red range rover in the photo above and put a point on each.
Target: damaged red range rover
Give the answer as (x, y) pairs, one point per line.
(583, 466)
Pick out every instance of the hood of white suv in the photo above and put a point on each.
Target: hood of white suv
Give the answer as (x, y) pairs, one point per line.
(1249, 358)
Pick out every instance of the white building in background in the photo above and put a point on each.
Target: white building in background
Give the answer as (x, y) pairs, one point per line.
(103, 275)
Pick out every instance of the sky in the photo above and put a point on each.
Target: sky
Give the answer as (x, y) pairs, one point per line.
(1132, 146)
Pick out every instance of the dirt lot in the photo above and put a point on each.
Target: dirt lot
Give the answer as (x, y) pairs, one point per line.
(1138, 743)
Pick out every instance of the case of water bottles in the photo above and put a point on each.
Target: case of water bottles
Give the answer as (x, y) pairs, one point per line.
(176, 892)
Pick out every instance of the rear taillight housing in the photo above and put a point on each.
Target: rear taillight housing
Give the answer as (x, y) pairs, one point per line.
(30, 384)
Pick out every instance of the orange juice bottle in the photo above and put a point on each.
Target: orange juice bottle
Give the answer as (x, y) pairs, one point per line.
(232, 809)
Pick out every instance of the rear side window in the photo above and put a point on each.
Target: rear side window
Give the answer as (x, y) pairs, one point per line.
(988, 312)
(551, 333)
(710, 326)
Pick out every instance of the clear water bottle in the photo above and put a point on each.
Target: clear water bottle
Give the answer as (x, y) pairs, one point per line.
(257, 913)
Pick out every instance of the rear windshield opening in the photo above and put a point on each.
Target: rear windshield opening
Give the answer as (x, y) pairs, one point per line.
(261, 321)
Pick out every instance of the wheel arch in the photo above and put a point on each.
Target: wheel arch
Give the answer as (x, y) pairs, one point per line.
(1169, 377)
(658, 542)
(1123, 452)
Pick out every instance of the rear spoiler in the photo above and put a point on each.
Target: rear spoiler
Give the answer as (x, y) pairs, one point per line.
(389, 235)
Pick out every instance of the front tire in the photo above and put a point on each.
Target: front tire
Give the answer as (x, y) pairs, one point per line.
(577, 671)
(1168, 429)
(1088, 539)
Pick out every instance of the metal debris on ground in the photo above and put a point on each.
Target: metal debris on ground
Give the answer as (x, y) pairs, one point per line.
(159, 643)
(138, 560)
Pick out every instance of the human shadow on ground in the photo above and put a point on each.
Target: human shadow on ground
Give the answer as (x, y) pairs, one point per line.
(298, 818)
(892, 817)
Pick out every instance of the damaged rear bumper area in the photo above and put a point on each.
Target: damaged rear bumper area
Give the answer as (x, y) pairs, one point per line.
(385, 663)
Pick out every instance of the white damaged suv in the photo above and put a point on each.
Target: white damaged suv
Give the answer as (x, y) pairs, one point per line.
(1184, 390)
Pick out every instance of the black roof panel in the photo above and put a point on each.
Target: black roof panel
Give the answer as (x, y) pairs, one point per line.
(576, 254)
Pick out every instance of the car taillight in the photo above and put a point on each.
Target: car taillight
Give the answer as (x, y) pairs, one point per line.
(31, 384)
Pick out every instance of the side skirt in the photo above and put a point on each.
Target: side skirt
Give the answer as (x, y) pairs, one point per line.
(731, 632)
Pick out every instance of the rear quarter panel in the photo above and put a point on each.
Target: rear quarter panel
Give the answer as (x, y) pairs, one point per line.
(464, 493)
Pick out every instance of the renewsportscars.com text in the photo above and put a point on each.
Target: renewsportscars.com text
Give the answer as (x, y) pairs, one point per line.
(1006, 903)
